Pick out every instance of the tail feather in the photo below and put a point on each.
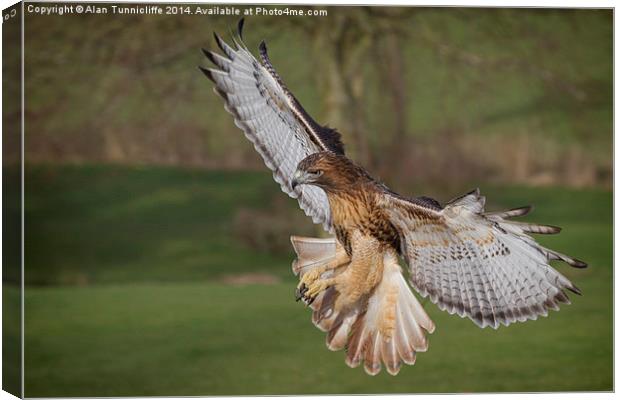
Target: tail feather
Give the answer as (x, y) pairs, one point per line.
(386, 327)
(404, 343)
(372, 354)
(312, 252)
(393, 328)
(324, 316)
(355, 345)
(390, 357)
(338, 335)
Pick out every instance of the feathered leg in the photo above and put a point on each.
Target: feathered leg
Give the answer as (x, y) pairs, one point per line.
(364, 272)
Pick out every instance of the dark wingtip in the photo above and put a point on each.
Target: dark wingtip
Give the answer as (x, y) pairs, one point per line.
(554, 229)
(262, 46)
(240, 28)
(519, 211)
(561, 297)
(219, 41)
(220, 93)
(207, 73)
(579, 264)
(209, 55)
(575, 290)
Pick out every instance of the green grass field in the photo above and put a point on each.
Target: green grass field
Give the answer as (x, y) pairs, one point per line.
(124, 297)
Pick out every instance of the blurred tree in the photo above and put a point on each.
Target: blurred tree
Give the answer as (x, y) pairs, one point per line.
(394, 80)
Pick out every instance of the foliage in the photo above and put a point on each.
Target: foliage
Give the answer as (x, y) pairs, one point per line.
(532, 86)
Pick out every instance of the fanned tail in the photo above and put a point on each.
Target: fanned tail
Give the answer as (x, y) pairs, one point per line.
(312, 253)
(392, 330)
(387, 327)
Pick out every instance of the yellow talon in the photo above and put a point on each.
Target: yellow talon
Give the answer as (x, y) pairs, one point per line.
(310, 277)
(316, 287)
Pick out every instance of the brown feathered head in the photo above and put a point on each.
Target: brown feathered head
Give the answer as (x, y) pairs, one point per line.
(329, 171)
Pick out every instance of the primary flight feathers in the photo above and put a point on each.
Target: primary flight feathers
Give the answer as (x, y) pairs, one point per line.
(476, 264)
(272, 119)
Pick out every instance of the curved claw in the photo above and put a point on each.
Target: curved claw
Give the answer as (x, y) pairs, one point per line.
(300, 292)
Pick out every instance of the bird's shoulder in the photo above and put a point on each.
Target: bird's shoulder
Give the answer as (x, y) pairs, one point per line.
(427, 202)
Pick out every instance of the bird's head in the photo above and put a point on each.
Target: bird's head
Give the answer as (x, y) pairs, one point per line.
(328, 171)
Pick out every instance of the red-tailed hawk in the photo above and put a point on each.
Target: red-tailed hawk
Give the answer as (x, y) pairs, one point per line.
(476, 264)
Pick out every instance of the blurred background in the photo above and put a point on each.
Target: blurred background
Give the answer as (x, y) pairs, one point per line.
(157, 252)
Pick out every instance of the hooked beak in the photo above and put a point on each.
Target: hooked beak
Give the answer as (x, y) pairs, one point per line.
(299, 178)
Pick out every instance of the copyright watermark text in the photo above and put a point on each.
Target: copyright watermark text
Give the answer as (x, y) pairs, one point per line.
(177, 9)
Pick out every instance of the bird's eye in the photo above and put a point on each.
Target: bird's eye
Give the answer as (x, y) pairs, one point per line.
(316, 173)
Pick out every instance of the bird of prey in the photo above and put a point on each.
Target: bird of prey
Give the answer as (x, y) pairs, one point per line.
(470, 262)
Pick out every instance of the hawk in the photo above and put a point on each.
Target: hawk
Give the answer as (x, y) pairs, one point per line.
(481, 265)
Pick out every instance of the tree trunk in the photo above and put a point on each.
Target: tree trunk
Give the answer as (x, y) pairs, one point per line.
(341, 82)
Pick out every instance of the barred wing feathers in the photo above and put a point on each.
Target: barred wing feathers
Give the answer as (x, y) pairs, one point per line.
(480, 265)
(272, 119)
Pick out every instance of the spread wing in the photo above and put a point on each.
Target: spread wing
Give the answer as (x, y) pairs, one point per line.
(272, 119)
(480, 265)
